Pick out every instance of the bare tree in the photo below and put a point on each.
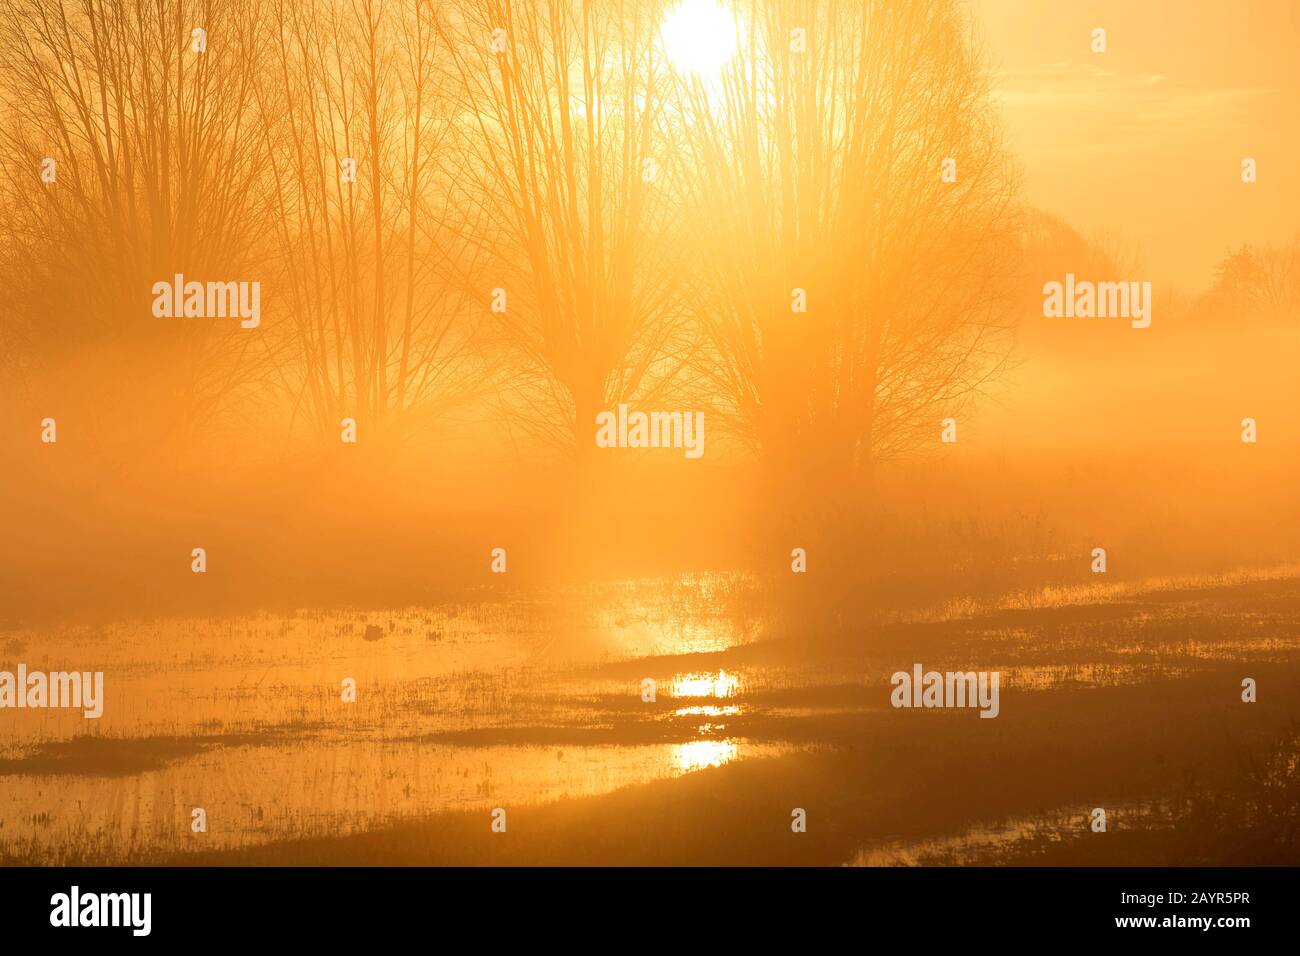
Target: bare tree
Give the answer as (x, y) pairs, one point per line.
(1263, 278)
(561, 112)
(354, 122)
(147, 130)
(818, 174)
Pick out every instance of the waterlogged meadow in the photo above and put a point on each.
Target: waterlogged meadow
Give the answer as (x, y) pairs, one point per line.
(676, 720)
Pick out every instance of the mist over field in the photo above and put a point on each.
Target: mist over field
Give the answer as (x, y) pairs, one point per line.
(824, 229)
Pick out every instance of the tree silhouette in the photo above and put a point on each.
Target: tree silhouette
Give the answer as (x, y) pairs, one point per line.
(354, 122)
(148, 131)
(816, 162)
(558, 168)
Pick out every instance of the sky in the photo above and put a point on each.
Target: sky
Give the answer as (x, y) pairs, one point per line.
(1142, 144)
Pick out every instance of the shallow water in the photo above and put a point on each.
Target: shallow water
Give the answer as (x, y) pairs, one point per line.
(526, 701)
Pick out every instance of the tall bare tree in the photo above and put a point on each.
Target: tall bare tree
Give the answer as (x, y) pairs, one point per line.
(561, 139)
(817, 167)
(354, 122)
(147, 125)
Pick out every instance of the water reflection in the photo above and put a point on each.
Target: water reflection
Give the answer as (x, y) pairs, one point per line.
(720, 684)
(474, 705)
(699, 754)
(708, 710)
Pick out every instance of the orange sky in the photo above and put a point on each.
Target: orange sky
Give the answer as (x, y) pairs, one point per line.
(1144, 143)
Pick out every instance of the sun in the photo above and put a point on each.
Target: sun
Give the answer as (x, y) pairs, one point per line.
(699, 37)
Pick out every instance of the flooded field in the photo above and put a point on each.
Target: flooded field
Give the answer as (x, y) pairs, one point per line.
(1126, 698)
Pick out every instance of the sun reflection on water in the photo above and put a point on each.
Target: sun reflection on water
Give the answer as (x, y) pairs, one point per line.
(707, 710)
(699, 754)
(720, 684)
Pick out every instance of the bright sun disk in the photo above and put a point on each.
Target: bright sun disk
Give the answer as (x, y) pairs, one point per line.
(699, 37)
